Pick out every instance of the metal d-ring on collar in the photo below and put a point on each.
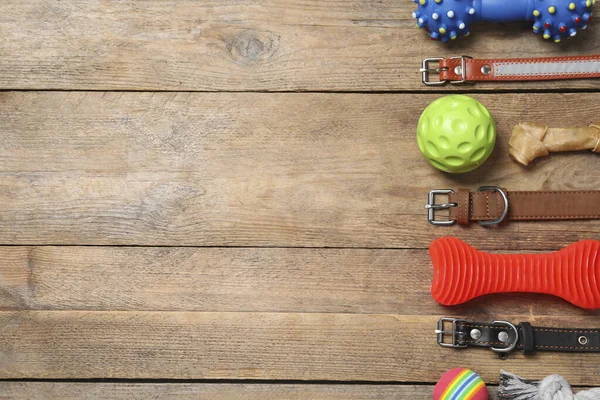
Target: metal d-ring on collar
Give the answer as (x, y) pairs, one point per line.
(513, 343)
(432, 207)
(504, 211)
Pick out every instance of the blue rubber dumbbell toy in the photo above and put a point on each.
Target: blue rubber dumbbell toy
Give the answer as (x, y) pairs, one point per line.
(554, 19)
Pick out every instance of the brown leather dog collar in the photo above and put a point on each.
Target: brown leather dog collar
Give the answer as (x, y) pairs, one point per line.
(490, 205)
(466, 69)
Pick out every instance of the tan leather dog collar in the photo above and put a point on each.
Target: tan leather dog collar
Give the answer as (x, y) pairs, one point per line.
(466, 69)
(490, 205)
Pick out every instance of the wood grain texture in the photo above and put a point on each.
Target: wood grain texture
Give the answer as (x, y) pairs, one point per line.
(187, 345)
(333, 170)
(244, 45)
(231, 279)
(207, 391)
(203, 391)
(319, 196)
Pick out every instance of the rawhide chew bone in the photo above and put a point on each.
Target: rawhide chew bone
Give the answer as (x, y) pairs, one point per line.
(462, 273)
(554, 19)
(530, 141)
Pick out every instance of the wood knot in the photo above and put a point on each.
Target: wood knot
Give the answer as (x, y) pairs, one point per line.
(252, 47)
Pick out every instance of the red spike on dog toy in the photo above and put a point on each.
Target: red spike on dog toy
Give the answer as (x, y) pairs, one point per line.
(462, 273)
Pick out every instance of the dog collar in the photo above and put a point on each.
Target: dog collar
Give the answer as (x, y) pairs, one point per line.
(504, 336)
(465, 69)
(490, 205)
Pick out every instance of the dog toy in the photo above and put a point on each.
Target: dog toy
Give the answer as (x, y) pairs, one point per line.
(462, 273)
(460, 384)
(530, 141)
(553, 387)
(456, 134)
(553, 19)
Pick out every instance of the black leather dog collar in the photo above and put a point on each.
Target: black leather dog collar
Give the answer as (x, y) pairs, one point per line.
(503, 336)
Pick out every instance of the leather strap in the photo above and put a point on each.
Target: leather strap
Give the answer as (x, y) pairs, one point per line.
(526, 338)
(520, 69)
(489, 205)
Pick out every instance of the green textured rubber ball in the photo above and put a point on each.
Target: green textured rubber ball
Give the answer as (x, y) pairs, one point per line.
(456, 134)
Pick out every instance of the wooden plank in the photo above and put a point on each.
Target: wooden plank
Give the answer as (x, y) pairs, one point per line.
(188, 345)
(244, 45)
(258, 170)
(228, 280)
(219, 391)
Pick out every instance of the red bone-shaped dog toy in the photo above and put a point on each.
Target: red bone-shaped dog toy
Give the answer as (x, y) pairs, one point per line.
(462, 273)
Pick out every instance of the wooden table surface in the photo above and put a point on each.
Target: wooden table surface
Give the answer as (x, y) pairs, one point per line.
(224, 199)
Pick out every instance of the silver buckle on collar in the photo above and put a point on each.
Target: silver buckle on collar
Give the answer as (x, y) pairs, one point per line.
(431, 207)
(440, 332)
(460, 70)
(425, 71)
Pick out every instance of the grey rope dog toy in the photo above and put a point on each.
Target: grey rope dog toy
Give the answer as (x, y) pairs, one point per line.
(553, 387)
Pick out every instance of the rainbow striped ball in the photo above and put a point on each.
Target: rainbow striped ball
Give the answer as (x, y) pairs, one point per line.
(460, 384)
